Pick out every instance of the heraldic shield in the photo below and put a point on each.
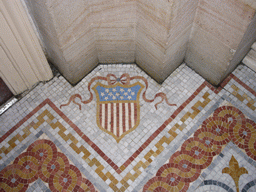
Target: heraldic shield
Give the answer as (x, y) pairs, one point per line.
(118, 108)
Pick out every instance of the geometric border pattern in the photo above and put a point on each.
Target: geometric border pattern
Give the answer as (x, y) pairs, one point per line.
(185, 166)
(42, 160)
(120, 169)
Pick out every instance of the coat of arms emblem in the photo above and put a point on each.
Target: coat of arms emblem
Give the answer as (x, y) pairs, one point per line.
(118, 106)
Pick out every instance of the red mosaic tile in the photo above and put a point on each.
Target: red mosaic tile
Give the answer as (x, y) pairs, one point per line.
(41, 160)
(161, 128)
(185, 161)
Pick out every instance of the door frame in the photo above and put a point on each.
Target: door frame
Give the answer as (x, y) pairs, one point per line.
(23, 62)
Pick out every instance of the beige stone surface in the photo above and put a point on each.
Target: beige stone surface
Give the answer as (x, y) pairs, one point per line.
(68, 36)
(207, 55)
(227, 20)
(222, 25)
(115, 42)
(250, 60)
(244, 47)
(114, 23)
(252, 54)
(162, 35)
(155, 34)
(251, 3)
(176, 50)
(178, 35)
(254, 46)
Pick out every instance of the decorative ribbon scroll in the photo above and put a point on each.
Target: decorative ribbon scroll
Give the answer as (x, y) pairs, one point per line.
(125, 80)
(118, 106)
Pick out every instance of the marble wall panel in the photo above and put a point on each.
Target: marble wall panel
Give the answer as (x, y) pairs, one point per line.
(176, 51)
(114, 23)
(221, 25)
(46, 28)
(226, 20)
(68, 36)
(163, 32)
(155, 34)
(178, 34)
(115, 42)
(208, 54)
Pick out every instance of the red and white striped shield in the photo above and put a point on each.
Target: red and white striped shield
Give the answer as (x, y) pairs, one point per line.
(118, 108)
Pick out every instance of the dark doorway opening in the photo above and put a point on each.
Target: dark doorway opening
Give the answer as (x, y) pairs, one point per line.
(5, 93)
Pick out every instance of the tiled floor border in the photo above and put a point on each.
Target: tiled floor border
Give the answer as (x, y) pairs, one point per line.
(242, 84)
(172, 149)
(225, 125)
(146, 143)
(204, 174)
(42, 160)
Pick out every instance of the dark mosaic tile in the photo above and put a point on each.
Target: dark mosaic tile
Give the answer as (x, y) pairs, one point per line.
(203, 175)
(221, 155)
(216, 183)
(39, 134)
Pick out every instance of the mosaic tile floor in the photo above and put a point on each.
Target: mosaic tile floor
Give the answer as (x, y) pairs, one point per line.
(118, 130)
